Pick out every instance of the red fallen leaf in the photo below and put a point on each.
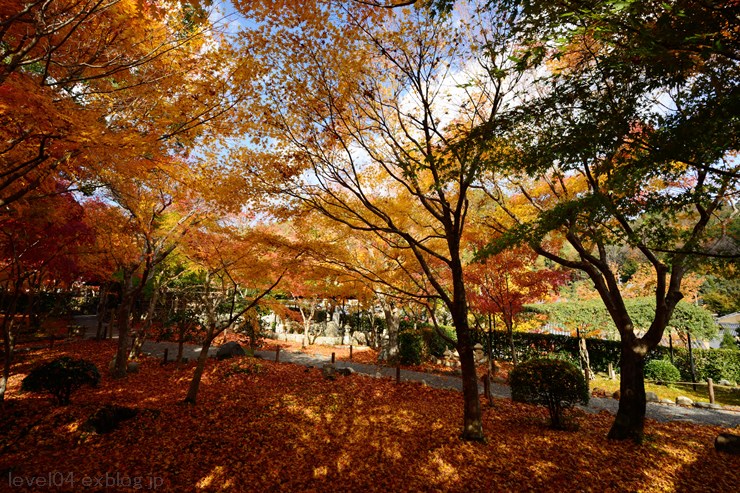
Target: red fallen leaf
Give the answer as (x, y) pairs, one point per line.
(283, 428)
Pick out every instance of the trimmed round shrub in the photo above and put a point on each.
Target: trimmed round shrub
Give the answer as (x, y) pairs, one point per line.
(661, 370)
(554, 383)
(61, 377)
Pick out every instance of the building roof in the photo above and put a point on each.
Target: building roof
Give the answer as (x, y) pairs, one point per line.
(732, 318)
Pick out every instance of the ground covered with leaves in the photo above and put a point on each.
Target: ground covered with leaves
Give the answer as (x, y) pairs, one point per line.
(262, 426)
(369, 356)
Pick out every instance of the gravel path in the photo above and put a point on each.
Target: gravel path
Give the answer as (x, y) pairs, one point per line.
(659, 412)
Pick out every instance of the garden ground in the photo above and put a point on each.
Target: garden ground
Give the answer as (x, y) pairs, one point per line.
(262, 426)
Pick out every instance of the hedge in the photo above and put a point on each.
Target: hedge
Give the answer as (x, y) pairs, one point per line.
(530, 346)
(717, 364)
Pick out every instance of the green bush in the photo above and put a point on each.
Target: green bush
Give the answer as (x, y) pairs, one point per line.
(728, 341)
(554, 383)
(716, 364)
(566, 356)
(410, 348)
(436, 345)
(720, 365)
(61, 377)
(662, 371)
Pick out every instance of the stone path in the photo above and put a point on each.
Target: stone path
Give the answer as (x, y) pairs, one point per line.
(659, 412)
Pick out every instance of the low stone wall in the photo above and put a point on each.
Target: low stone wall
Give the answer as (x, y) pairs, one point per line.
(329, 341)
(357, 339)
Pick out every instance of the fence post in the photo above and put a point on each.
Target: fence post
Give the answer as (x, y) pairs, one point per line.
(350, 352)
(710, 386)
(611, 372)
(277, 354)
(333, 357)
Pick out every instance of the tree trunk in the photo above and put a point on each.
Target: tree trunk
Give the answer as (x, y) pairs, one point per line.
(119, 371)
(584, 359)
(142, 333)
(510, 335)
(304, 341)
(392, 323)
(198, 374)
(101, 312)
(374, 337)
(307, 320)
(8, 347)
(472, 419)
(487, 387)
(8, 343)
(630, 420)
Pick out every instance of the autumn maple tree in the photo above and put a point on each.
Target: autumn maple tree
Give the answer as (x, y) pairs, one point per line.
(374, 269)
(42, 248)
(91, 87)
(236, 268)
(361, 107)
(624, 143)
(108, 95)
(503, 283)
(135, 236)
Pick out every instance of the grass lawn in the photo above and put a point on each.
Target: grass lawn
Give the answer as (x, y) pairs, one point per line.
(262, 426)
(724, 396)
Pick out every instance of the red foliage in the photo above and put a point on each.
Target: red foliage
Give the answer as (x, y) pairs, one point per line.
(505, 282)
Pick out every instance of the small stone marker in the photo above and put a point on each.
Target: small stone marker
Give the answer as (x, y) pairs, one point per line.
(727, 442)
(229, 350)
(707, 405)
(684, 401)
(329, 371)
(107, 418)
